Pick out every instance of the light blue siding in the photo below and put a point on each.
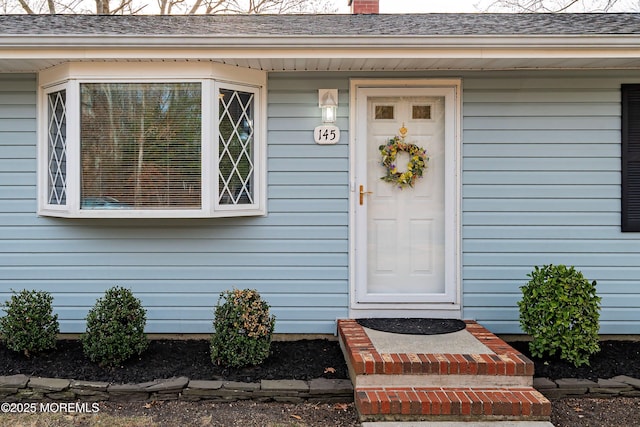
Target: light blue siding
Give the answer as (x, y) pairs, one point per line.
(296, 256)
(541, 184)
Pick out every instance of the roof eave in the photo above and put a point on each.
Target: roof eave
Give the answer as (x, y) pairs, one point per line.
(284, 53)
(324, 42)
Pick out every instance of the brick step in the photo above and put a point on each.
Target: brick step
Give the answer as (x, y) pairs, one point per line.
(446, 404)
(489, 382)
(363, 359)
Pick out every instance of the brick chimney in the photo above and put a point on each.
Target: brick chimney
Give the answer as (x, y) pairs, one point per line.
(365, 6)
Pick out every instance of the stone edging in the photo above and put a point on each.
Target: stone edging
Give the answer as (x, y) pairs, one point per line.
(621, 385)
(21, 388)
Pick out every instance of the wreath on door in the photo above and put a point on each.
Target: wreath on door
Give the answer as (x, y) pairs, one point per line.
(415, 168)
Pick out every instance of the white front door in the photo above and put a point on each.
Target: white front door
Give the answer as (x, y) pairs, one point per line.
(406, 238)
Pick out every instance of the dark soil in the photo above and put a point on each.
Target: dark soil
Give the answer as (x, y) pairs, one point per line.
(593, 412)
(305, 359)
(615, 358)
(234, 414)
(301, 360)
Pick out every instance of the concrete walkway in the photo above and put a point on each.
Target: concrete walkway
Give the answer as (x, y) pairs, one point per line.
(459, 424)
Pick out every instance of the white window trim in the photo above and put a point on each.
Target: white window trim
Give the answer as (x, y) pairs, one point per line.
(258, 155)
(212, 76)
(43, 153)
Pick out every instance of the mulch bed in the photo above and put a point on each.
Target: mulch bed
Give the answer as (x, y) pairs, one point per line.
(305, 360)
(615, 358)
(302, 360)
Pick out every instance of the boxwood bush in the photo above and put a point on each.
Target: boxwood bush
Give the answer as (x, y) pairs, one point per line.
(561, 312)
(243, 329)
(115, 328)
(29, 325)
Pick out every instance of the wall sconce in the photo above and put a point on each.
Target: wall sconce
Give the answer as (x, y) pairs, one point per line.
(328, 102)
(328, 133)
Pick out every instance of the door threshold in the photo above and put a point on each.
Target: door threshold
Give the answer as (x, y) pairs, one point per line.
(437, 312)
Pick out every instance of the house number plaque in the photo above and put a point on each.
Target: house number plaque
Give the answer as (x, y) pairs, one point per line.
(326, 134)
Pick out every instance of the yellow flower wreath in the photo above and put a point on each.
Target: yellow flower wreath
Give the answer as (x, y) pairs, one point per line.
(415, 168)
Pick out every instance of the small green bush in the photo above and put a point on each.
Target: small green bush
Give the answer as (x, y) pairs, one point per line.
(29, 325)
(561, 312)
(115, 328)
(243, 329)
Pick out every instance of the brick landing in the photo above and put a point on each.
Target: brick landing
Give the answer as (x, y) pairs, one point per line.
(451, 386)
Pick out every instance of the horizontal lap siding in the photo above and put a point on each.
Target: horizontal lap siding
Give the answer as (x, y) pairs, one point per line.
(309, 180)
(541, 185)
(296, 256)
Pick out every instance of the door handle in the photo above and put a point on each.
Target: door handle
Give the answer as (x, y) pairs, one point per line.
(363, 193)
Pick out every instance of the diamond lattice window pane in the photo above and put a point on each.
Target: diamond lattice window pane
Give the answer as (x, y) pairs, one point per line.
(57, 148)
(236, 149)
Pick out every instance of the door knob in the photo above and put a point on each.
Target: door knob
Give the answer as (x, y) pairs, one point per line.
(363, 193)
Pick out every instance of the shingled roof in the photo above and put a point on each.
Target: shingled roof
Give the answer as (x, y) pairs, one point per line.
(397, 42)
(478, 24)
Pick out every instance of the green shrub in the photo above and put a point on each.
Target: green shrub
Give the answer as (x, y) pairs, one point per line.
(561, 312)
(115, 328)
(243, 329)
(29, 325)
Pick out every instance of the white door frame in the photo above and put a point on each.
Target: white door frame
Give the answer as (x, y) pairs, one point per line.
(448, 304)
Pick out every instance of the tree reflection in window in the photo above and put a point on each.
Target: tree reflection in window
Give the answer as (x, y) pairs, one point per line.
(141, 145)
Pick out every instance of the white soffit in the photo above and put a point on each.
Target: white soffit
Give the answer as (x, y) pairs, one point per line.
(315, 64)
(353, 54)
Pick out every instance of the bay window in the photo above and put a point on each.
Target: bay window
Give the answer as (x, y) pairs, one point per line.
(56, 148)
(158, 147)
(235, 147)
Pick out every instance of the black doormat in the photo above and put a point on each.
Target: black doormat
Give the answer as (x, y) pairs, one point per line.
(414, 326)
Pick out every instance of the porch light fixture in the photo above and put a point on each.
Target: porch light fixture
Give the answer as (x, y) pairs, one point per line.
(328, 102)
(327, 133)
